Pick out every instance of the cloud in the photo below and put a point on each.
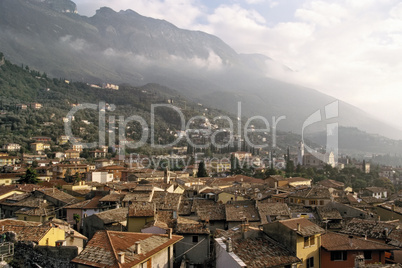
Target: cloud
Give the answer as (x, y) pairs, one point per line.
(74, 43)
(251, 2)
(350, 49)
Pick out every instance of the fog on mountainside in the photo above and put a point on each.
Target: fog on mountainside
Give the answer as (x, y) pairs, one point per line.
(125, 47)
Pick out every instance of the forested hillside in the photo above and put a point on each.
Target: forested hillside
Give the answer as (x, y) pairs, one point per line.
(19, 85)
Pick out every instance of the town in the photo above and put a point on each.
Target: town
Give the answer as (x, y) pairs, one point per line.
(94, 208)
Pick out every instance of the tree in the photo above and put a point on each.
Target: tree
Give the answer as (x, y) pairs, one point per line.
(202, 172)
(384, 182)
(234, 165)
(76, 218)
(77, 177)
(30, 176)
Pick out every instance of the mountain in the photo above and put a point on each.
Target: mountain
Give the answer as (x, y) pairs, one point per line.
(125, 47)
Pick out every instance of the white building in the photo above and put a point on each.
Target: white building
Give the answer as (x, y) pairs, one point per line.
(100, 176)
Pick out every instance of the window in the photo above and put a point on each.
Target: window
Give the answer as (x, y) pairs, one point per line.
(310, 262)
(367, 255)
(339, 255)
(306, 242)
(313, 202)
(309, 241)
(321, 203)
(195, 238)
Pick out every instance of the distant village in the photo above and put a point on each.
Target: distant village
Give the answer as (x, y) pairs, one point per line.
(92, 208)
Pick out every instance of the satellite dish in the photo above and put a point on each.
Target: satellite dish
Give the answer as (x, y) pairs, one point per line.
(259, 195)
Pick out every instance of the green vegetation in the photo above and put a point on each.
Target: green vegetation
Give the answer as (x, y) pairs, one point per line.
(30, 176)
(202, 171)
(19, 85)
(350, 176)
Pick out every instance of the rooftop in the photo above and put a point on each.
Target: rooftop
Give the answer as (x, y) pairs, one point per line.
(241, 210)
(314, 192)
(335, 241)
(103, 249)
(87, 204)
(188, 226)
(272, 209)
(307, 228)
(141, 209)
(26, 232)
(113, 215)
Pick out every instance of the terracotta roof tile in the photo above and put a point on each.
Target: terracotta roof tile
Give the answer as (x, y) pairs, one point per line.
(102, 249)
(165, 200)
(328, 213)
(146, 197)
(335, 241)
(113, 197)
(185, 207)
(188, 226)
(274, 210)
(112, 215)
(257, 250)
(263, 252)
(307, 228)
(27, 233)
(210, 210)
(371, 228)
(141, 209)
(240, 210)
(87, 204)
(314, 192)
(58, 195)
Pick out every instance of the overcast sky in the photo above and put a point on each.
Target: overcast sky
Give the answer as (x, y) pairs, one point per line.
(349, 49)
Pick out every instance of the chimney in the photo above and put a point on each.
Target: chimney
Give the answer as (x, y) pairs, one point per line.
(121, 257)
(138, 247)
(169, 231)
(350, 240)
(229, 247)
(244, 229)
(298, 227)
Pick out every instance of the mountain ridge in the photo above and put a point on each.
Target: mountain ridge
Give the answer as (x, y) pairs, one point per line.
(126, 47)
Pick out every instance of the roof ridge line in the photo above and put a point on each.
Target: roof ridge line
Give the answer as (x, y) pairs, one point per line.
(114, 252)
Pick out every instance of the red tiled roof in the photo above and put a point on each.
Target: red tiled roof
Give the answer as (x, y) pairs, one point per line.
(335, 241)
(307, 228)
(103, 249)
(87, 204)
(26, 233)
(240, 210)
(141, 209)
(257, 250)
(27, 188)
(262, 252)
